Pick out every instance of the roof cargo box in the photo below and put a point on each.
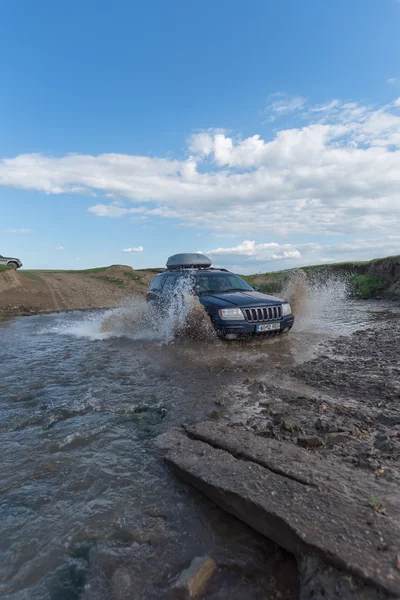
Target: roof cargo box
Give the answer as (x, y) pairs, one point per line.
(188, 261)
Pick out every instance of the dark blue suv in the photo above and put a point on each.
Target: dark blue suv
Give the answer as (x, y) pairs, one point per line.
(235, 308)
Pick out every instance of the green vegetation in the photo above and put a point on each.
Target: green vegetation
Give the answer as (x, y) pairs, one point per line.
(95, 270)
(4, 268)
(367, 286)
(133, 275)
(113, 280)
(32, 275)
(269, 283)
(362, 276)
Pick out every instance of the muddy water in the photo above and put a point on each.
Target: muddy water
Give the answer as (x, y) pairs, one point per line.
(82, 491)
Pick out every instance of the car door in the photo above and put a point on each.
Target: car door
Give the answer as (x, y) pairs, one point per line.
(168, 287)
(2, 260)
(154, 291)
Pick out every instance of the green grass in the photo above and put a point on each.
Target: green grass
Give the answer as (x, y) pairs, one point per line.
(132, 275)
(364, 286)
(269, 283)
(95, 270)
(367, 286)
(4, 268)
(32, 275)
(112, 280)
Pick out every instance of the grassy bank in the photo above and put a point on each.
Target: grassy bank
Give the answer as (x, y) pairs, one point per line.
(368, 279)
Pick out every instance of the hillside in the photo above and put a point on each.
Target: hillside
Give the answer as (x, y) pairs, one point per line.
(369, 279)
(27, 292)
(30, 292)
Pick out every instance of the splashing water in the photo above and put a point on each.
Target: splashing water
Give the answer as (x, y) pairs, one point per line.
(322, 298)
(181, 315)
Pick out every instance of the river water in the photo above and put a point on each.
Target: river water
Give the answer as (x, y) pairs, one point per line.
(83, 493)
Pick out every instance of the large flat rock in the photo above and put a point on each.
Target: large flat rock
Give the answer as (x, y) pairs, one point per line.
(309, 506)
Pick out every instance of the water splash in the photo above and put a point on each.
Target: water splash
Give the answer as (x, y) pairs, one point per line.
(318, 299)
(181, 315)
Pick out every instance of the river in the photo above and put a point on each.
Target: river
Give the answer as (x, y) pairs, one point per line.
(83, 493)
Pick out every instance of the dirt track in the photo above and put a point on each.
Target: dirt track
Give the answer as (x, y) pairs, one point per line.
(32, 292)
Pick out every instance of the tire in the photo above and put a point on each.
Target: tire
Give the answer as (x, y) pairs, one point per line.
(13, 265)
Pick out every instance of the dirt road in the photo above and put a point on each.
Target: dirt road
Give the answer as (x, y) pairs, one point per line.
(33, 292)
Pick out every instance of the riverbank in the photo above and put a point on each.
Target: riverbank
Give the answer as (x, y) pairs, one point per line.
(311, 459)
(26, 292)
(379, 278)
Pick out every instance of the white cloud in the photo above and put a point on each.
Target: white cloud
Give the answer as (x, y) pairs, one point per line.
(138, 249)
(393, 80)
(339, 173)
(112, 210)
(60, 248)
(282, 104)
(263, 252)
(325, 108)
(269, 256)
(18, 230)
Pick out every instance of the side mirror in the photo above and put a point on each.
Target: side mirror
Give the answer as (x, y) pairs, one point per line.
(256, 289)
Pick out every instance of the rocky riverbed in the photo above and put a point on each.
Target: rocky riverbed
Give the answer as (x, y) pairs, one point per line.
(346, 402)
(321, 450)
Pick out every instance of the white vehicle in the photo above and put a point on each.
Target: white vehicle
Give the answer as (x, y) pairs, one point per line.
(13, 263)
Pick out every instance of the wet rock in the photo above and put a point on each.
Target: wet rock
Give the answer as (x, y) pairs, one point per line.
(336, 438)
(383, 443)
(220, 402)
(214, 414)
(389, 420)
(272, 490)
(277, 417)
(289, 427)
(122, 585)
(326, 426)
(267, 431)
(309, 441)
(194, 579)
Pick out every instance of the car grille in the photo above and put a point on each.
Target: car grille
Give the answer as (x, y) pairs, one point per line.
(264, 313)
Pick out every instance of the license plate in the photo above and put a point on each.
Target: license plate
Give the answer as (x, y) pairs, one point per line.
(268, 327)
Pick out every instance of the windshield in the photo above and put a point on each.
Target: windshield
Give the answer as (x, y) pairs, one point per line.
(221, 282)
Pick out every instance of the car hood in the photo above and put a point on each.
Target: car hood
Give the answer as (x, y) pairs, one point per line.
(9, 258)
(240, 299)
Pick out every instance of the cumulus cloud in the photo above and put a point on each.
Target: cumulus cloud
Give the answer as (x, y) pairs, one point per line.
(137, 249)
(18, 230)
(60, 248)
(272, 255)
(338, 173)
(393, 81)
(268, 251)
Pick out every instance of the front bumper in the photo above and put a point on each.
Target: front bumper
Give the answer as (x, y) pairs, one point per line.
(243, 328)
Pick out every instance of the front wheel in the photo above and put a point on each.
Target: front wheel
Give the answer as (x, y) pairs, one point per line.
(13, 265)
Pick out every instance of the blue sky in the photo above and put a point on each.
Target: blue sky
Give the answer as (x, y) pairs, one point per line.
(265, 133)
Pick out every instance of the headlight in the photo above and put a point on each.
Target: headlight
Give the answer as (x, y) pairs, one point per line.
(286, 309)
(231, 314)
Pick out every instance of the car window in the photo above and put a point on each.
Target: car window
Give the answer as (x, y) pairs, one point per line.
(169, 284)
(221, 282)
(157, 282)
